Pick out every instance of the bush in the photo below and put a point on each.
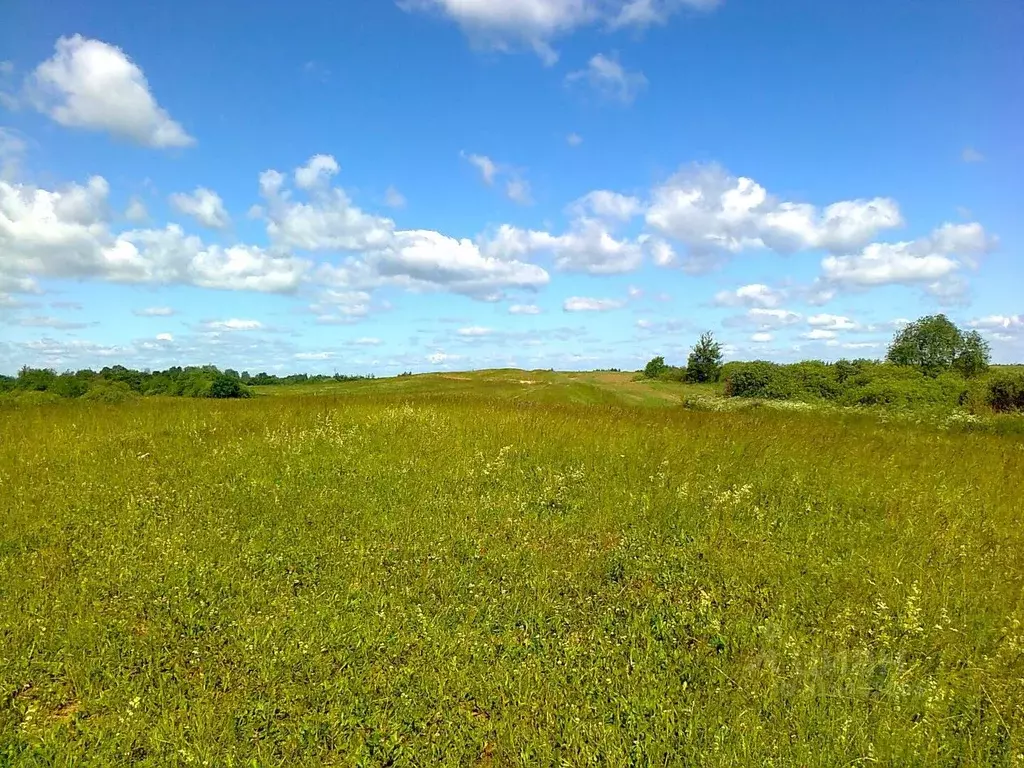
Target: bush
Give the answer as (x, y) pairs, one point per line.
(1006, 392)
(29, 397)
(761, 379)
(110, 392)
(901, 387)
(655, 368)
(225, 387)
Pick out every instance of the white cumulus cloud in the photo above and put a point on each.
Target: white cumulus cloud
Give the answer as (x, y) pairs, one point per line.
(317, 171)
(204, 205)
(714, 213)
(91, 84)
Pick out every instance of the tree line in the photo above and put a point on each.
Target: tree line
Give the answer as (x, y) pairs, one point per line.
(929, 362)
(118, 382)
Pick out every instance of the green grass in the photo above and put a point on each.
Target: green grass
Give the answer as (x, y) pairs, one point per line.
(470, 570)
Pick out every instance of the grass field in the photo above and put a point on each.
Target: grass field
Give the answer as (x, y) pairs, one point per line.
(507, 568)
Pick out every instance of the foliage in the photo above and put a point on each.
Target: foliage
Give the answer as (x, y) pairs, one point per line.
(110, 392)
(422, 571)
(934, 344)
(655, 367)
(1006, 392)
(705, 361)
(117, 383)
(761, 379)
(224, 386)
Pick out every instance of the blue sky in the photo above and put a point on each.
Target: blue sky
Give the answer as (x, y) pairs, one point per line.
(451, 184)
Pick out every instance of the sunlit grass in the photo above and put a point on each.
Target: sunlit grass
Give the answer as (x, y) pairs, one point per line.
(500, 573)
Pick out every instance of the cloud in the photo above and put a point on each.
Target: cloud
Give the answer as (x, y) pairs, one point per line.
(41, 321)
(487, 167)
(153, 312)
(90, 84)
(518, 191)
(12, 151)
(605, 204)
(368, 341)
(164, 337)
(313, 355)
(574, 139)
(507, 25)
(393, 198)
(335, 307)
(971, 155)
(832, 322)
(818, 334)
(662, 253)
(436, 358)
(430, 259)
(475, 331)
(204, 205)
(589, 246)
(524, 309)
(169, 256)
(998, 322)
(316, 172)
(716, 214)
(53, 233)
(763, 318)
(753, 295)
(232, 325)
(517, 188)
(584, 304)
(609, 79)
(136, 211)
(932, 261)
(762, 337)
(327, 222)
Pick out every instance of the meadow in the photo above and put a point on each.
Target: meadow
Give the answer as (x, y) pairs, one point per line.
(501, 569)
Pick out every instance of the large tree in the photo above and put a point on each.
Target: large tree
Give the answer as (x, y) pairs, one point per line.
(705, 361)
(934, 344)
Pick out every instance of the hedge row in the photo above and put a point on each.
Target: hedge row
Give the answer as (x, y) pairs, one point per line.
(864, 382)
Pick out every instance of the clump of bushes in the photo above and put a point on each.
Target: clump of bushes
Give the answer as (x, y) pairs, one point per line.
(657, 368)
(110, 392)
(1006, 392)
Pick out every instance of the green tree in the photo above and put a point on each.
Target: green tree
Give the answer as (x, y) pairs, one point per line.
(934, 344)
(655, 368)
(974, 355)
(705, 361)
(224, 386)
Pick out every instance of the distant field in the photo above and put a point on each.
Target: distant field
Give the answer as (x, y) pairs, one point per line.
(505, 568)
(588, 388)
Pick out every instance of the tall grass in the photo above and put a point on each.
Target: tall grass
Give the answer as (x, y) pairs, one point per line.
(399, 579)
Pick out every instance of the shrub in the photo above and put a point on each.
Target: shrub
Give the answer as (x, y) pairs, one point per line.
(898, 387)
(1006, 392)
(225, 387)
(655, 368)
(761, 379)
(814, 379)
(110, 392)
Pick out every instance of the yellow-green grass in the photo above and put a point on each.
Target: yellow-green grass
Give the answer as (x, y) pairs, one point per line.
(426, 571)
